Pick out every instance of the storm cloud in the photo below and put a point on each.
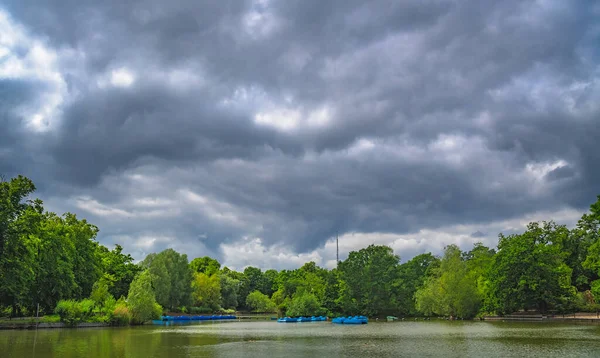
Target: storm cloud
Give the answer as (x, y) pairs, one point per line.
(257, 131)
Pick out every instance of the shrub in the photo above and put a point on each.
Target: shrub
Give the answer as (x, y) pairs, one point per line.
(202, 309)
(120, 315)
(305, 304)
(72, 312)
(259, 302)
(141, 301)
(51, 318)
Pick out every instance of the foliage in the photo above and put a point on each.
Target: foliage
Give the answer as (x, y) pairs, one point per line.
(121, 315)
(140, 300)
(305, 304)
(369, 276)
(171, 278)
(259, 302)
(529, 272)
(452, 290)
(206, 265)
(229, 291)
(72, 312)
(119, 270)
(412, 276)
(206, 290)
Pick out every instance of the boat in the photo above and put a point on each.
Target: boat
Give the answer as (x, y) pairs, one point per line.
(351, 320)
(287, 320)
(302, 319)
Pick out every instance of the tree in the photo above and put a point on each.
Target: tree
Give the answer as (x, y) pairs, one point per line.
(259, 302)
(86, 261)
(206, 290)
(252, 280)
(141, 300)
(15, 253)
(304, 304)
(368, 277)
(119, 270)
(451, 291)
(171, 278)
(412, 276)
(229, 291)
(205, 265)
(529, 272)
(100, 294)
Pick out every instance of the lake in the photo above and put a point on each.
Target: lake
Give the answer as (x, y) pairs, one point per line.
(272, 339)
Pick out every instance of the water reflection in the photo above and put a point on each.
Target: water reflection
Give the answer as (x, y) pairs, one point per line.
(271, 339)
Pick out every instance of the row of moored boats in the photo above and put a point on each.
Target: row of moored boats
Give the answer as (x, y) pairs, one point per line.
(338, 320)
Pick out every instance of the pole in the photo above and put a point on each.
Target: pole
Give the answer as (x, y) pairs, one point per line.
(337, 251)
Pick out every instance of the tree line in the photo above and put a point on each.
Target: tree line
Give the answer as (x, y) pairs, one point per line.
(54, 263)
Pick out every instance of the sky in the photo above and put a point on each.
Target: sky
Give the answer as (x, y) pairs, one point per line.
(256, 131)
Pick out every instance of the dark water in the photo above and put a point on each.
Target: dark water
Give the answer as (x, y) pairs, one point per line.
(319, 339)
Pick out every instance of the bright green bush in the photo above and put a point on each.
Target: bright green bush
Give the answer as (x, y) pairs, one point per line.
(120, 315)
(72, 312)
(141, 301)
(305, 304)
(53, 318)
(260, 302)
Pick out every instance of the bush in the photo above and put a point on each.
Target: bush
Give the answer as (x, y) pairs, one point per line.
(120, 315)
(305, 304)
(54, 318)
(72, 312)
(141, 301)
(259, 302)
(199, 310)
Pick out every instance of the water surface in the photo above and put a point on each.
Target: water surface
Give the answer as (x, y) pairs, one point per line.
(272, 339)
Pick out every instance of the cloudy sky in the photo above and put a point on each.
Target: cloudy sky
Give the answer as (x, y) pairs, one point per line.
(255, 131)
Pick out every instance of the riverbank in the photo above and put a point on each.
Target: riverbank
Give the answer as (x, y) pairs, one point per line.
(585, 317)
(16, 324)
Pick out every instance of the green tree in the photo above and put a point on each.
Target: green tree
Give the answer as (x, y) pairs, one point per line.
(412, 275)
(259, 302)
(141, 301)
(451, 291)
(171, 278)
(15, 252)
(252, 280)
(304, 304)
(529, 272)
(100, 294)
(86, 260)
(368, 277)
(229, 291)
(206, 290)
(119, 270)
(205, 265)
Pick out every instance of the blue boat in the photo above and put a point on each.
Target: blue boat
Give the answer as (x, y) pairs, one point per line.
(287, 320)
(351, 320)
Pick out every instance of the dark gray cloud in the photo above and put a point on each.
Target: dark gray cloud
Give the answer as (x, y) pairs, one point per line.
(202, 125)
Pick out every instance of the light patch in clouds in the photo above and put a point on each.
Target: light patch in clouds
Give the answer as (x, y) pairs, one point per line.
(282, 119)
(260, 22)
(252, 251)
(23, 57)
(122, 77)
